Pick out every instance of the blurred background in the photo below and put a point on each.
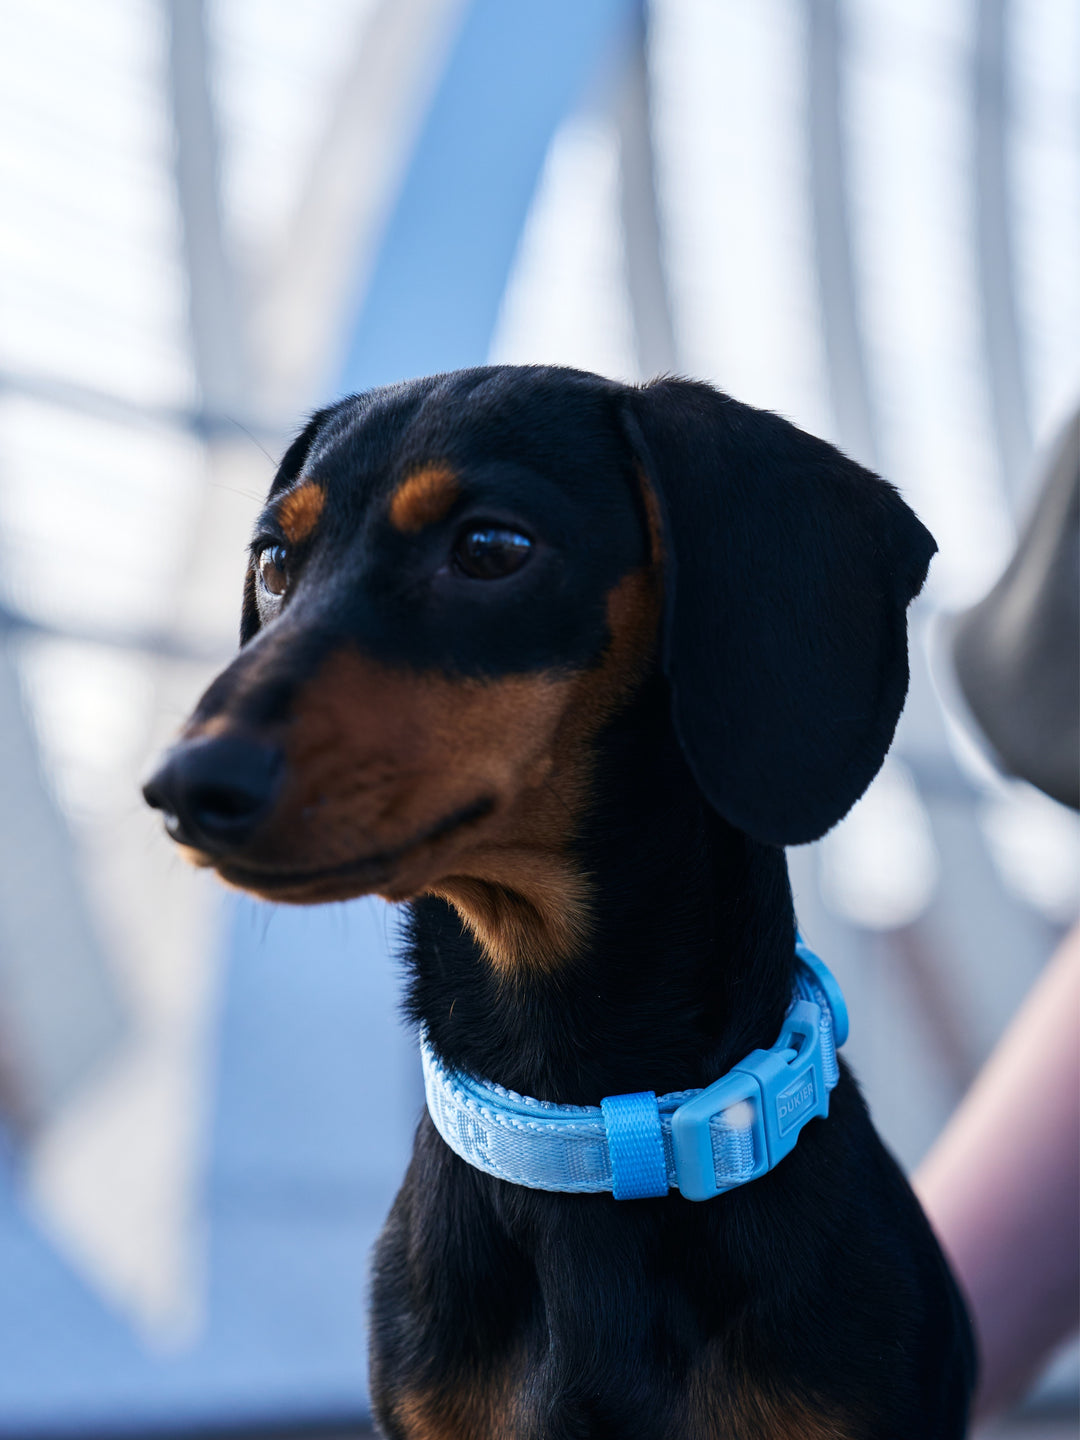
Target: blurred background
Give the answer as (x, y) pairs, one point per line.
(217, 214)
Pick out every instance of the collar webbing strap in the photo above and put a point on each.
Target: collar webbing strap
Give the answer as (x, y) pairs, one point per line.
(700, 1142)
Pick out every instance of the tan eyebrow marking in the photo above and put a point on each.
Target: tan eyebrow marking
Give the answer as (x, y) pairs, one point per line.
(423, 497)
(299, 511)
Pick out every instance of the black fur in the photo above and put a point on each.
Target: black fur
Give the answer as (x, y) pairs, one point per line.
(790, 572)
(819, 1289)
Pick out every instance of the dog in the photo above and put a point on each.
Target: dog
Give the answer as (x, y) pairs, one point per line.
(565, 664)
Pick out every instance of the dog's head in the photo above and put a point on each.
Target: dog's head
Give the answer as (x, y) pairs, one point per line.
(458, 582)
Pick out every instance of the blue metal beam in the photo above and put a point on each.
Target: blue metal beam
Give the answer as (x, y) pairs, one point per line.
(515, 72)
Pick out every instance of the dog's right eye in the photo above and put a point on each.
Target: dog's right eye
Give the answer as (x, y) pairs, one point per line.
(491, 552)
(273, 568)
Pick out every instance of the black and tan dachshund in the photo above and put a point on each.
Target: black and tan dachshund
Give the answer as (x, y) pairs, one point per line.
(565, 664)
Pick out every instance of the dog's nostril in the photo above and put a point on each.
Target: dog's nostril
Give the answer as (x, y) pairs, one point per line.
(214, 792)
(224, 803)
(154, 795)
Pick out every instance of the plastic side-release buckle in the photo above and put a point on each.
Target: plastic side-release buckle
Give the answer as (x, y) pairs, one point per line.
(792, 1080)
(783, 1087)
(691, 1137)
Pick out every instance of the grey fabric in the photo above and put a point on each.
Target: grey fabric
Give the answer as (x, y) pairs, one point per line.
(1017, 652)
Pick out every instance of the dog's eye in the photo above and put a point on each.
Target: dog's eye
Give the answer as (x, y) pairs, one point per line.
(490, 551)
(273, 568)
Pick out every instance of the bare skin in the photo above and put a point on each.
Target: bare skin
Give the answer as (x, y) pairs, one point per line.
(1002, 1187)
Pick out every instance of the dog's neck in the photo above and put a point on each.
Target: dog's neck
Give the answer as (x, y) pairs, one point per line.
(688, 964)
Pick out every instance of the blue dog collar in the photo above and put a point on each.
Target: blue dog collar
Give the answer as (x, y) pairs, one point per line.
(701, 1142)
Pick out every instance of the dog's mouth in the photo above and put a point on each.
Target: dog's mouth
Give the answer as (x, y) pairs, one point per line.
(361, 875)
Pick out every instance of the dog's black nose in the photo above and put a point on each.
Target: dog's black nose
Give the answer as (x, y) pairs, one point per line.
(215, 791)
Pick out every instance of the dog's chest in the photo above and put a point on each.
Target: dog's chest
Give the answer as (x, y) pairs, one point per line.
(560, 1368)
(500, 1405)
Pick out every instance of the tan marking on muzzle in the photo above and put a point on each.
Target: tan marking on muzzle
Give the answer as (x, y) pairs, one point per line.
(381, 760)
(525, 899)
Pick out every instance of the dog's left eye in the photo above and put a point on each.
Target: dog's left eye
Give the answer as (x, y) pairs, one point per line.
(490, 551)
(273, 568)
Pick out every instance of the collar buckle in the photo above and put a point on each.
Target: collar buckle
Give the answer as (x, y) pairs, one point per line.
(771, 1094)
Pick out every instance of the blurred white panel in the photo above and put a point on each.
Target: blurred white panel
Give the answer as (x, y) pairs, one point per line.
(369, 125)
(1044, 170)
(911, 191)
(91, 288)
(566, 302)
(236, 477)
(59, 1007)
(92, 516)
(114, 1183)
(77, 337)
(1035, 844)
(897, 1056)
(115, 1174)
(115, 1178)
(277, 70)
(89, 705)
(729, 99)
(895, 1053)
(879, 866)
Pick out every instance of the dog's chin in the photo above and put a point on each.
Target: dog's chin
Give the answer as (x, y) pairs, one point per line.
(308, 890)
(396, 882)
(198, 858)
(398, 872)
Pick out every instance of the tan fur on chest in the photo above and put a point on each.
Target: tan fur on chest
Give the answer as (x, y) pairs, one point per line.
(720, 1407)
(484, 1411)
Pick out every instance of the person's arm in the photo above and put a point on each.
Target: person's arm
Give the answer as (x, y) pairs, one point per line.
(1002, 1186)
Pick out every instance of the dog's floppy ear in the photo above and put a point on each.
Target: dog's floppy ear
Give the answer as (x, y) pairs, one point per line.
(292, 462)
(788, 572)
